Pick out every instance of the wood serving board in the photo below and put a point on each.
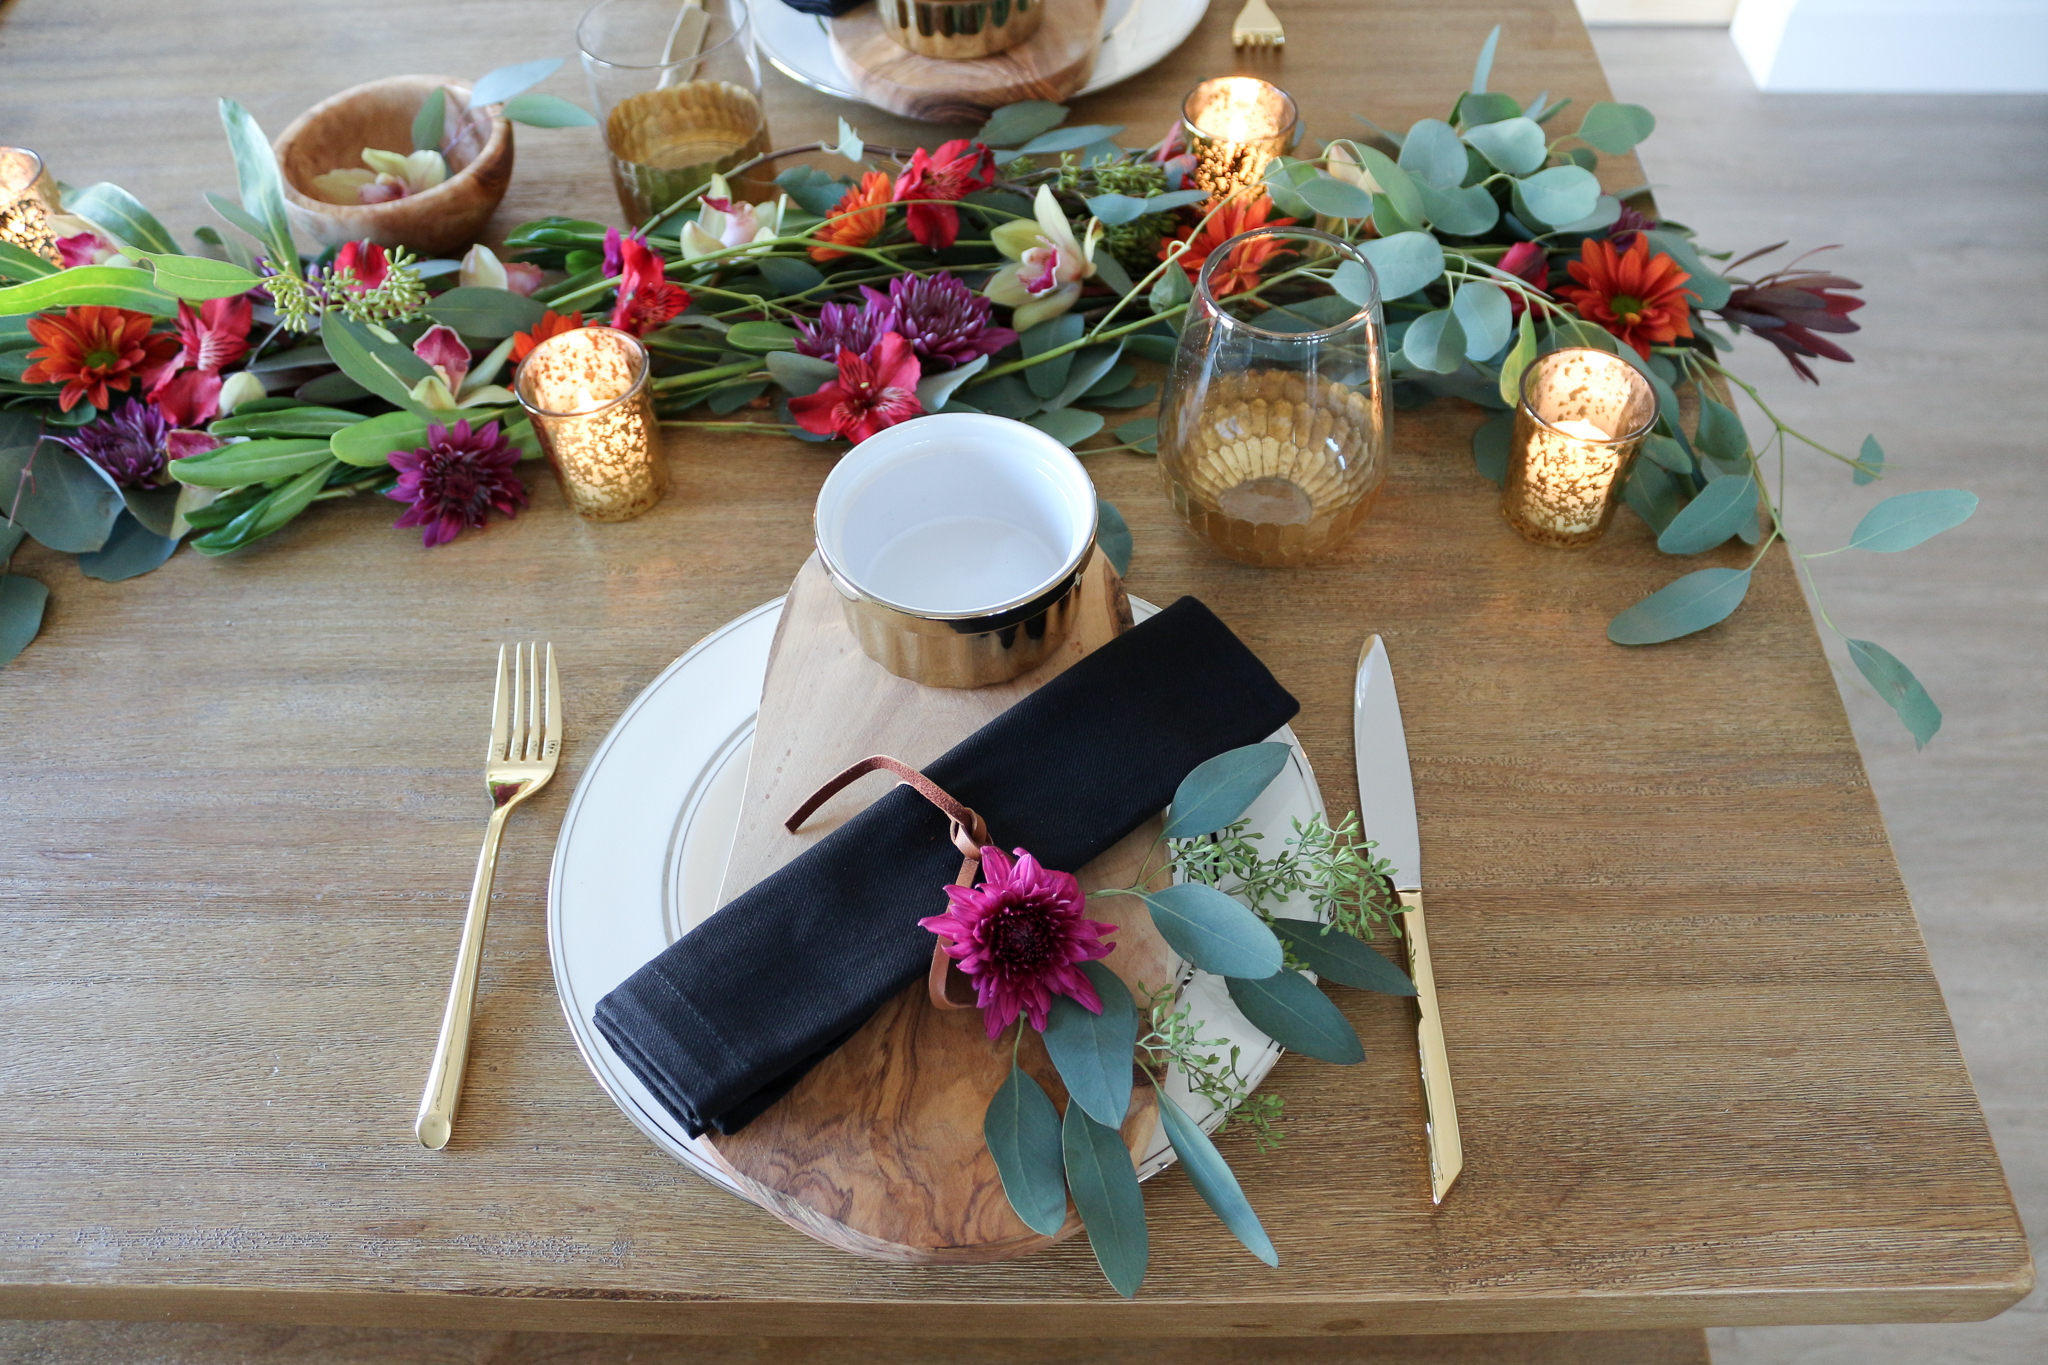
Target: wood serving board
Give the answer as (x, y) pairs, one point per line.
(1049, 65)
(879, 1150)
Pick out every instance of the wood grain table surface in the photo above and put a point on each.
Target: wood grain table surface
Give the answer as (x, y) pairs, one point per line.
(1704, 1071)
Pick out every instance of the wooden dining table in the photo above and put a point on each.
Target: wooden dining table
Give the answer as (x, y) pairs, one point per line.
(1704, 1071)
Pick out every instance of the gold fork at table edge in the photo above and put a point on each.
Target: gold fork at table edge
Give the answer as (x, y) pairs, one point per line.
(1257, 26)
(526, 742)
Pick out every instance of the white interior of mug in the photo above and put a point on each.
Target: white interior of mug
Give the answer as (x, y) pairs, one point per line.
(960, 515)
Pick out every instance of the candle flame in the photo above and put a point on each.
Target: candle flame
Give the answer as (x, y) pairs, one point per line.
(1244, 111)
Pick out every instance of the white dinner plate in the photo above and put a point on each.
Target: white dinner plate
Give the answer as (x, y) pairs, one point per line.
(644, 845)
(1135, 35)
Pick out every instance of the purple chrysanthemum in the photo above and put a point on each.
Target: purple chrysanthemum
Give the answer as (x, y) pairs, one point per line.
(854, 327)
(456, 479)
(946, 323)
(1623, 232)
(1021, 937)
(130, 443)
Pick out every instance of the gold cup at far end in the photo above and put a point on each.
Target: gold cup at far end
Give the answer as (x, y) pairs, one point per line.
(960, 30)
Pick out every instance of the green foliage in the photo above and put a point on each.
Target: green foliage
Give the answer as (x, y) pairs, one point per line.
(1016, 124)
(1327, 951)
(1022, 1130)
(1213, 931)
(1212, 1178)
(1173, 1039)
(431, 121)
(1113, 537)
(1899, 688)
(1091, 1050)
(1333, 869)
(111, 286)
(1288, 1008)
(132, 550)
(1901, 522)
(21, 612)
(121, 216)
(479, 311)
(1219, 791)
(1105, 1189)
(1702, 598)
(1721, 510)
(548, 111)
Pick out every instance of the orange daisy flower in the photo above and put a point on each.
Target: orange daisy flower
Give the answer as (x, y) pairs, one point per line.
(1638, 297)
(90, 349)
(857, 218)
(1241, 271)
(551, 324)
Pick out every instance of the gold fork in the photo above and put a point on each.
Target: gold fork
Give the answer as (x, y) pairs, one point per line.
(1257, 26)
(526, 741)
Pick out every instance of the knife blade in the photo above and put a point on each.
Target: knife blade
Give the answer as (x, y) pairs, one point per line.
(1386, 808)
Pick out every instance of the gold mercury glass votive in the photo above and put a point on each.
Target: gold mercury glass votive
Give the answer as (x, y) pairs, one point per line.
(1235, 125)
(27, 199)
(956, 30)
(587, 393)
(1582, 418)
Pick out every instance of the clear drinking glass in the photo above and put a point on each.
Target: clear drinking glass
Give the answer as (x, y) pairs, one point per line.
(27, 199)
(679, 90)
(1272, 432)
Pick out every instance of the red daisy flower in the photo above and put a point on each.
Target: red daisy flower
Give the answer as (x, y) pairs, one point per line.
(1021, 937)
(90, 350)
(1241, 270)
(1638, 297)
(551, 324)
(856, 219)
(956, 170)
(456, 479)
(873, 391)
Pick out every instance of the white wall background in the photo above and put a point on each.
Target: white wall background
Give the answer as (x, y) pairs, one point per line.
(1895, 46)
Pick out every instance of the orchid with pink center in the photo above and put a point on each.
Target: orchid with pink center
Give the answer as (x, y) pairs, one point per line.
(481, 269)
(723, 222)
(1050, 263)
(454, 385)
(391, 175)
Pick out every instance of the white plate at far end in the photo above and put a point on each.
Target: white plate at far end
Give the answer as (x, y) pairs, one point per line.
(1136, 34)
(648, 831)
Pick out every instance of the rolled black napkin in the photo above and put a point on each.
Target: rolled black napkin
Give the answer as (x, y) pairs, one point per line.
(824, 9)
(729, 1017)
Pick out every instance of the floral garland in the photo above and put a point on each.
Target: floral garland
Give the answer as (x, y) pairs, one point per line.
(1023, 272)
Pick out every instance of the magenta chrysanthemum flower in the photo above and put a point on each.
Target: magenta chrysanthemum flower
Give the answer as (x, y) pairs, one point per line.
(854, 327)
(1021, 937)
(456, 479)
(131, 444)
(946, 323)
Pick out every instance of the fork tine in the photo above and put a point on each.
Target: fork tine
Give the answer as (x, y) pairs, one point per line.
(553, 744)
(501, 709)
(533, 717)
(517, 748)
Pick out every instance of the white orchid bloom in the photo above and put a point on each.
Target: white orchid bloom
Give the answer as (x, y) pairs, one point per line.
(723, 222)
(417, 172)
(241, 387)
(1050, 264)
(481, 268)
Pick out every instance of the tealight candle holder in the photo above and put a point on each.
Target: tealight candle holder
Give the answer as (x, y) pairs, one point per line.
(27, 199)
(587, 394)
(1582, 418)
(1234, 126)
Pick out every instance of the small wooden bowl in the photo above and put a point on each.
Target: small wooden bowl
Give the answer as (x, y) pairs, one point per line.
(331, 136)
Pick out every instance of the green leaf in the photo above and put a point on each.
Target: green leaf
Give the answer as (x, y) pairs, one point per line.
(251, 462)
(238, 217)
(1070, 139)
(18, 264)
(301, 419)
(1483, 311)
(1490, 442)
(479, 311)
(1137, 396)
(730, 398)
(1484, 66)
(369, 441)
(1113, 537)
(1562, 194)
(788, 276)
(1515, 145)
(67, 503)
(1473, 110)
(1281, 176)
(1616, 128)
(1110, 272)
(332, 387)
(267, 516)
(1719, 511)
(1114, 381)
(1391, 181)
(1005, 396)
(1142, 432)
(1219, 791)
(1174, 199)
(1105, 1188)
(495, 87)
(1435, 341)
(261, 185)
(1901, 522)
(1288, 1008)
(1871, 457)
(121, 216)
(384, 368)
(1014, 124)
(1090, 365)
(1114, 210)
(1068, 426)
(1655, 494)
(1702, 598)
(814, 190)
(1466, 212)
(1092, 1052)
(110, 286)
(1213, 931)
(1159, 348)
(1212, 1178)
(802, 375)
(1172, 289)
(1328, 195)
(1668, 453)
(21, 614)
(762, 336)
(200, 278)
(934, 389)
(1721, 436)
(431, 121)
(1710, 289)
(548, 111)
(1049, 377)
(1341, 957)
(1433, 154)
(1899, 688)
(1022, 1130)
(1404, 263)
(132, 550)
(1517, 364)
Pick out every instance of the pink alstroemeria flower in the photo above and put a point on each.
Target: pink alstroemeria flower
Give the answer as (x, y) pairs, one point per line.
(189, 401)
(214, 335)
(873, 391)
(1527, 261)
(1021, 937)
(366, 261)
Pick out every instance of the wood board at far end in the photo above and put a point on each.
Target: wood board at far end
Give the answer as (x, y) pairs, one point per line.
(1052, 64)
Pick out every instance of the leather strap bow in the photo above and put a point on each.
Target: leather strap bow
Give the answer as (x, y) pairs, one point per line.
(968, 834)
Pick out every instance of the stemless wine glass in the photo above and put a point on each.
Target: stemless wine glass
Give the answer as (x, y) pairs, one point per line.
(679, 90)
(1272, 433)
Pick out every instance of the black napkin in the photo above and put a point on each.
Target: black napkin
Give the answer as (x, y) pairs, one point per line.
(728, 1018)
(824, 9)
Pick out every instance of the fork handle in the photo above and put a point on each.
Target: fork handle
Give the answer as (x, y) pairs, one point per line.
(444, 1081)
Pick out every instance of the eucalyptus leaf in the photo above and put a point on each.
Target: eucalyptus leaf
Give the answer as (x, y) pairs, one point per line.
(1871, 461)
(1091, 1051)
(1901, 522)
(812, 189)
(1174, 199)
(1068, 426)
(1015, 124)
(67, 503)
(1616, 128)
(369, 442)
(1110, 271)
(1490, 443)
(1022, 1130)
(1394, 183)
(1668, 453)
(1136, 396)
(934, 389)
(1518, 360)
(261, 185)
(481, 311)
(231, 466)
(730, 398)
(1899, 688)
(1655, 494)
(1114, 210)
(1710, 289)
(132, 549)
(1720, 436)
(332, 387)
(308, 356)
(121, 216)
(1466, 212)
(1719, 511)
(1433, 154)
(1474, 110)
(1090, 365)
(547, 111)
(789, 276)
(1288, 1008)
(1341, 957)
(1403, 263)
(1484, 66)
(1171, 290)
(1281, 176)
(1142, 432)
(495, 87)
(1212, 1178)
(1006, 396)
(21, 614)
(1562, 194)
(1114, 381)
(1048, 377)
(1333, 197)
(1702, 598)
(802, 375)
(1113, 537)
(1483, 311)
(1070, 139)
(1213, 931)
(200, 278)
(1515, 145)
(1219, 791)
(1105, 1189)
(1158, 348)
(1435, 341)
(431, 121)
(761, 336)
(109, 286)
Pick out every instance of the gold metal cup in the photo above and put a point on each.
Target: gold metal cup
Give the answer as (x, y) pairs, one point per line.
(27, 199)
(1235, 125)
(1582, 418)
(955, 30)
(968, 650)
(587, 394)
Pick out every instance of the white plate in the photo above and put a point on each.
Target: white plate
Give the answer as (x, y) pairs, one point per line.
(644, 845)
(1135, 35)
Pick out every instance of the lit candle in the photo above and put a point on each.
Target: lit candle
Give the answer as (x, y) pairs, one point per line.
(587, 395)
(1235, 125)
(26, 203)
(1583, 415)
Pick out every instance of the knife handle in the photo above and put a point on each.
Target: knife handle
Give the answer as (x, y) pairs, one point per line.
(1446, 1149)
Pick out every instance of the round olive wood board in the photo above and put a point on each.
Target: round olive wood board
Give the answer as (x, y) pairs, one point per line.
(1052, 64)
